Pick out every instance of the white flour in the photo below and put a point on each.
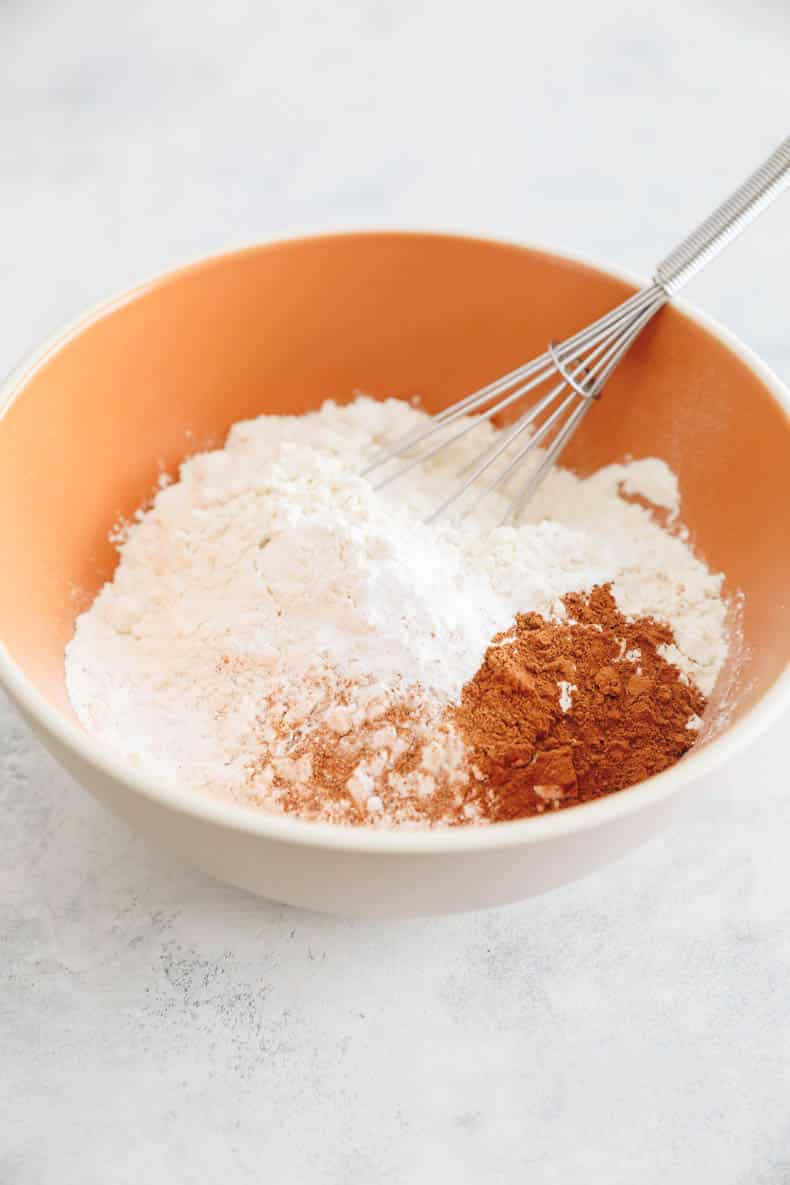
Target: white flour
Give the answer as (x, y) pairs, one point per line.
(270, 572)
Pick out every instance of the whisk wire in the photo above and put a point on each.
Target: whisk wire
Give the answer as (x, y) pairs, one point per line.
(583, 396)
(582, 370)
(549, 457)
(537, 371)
(500, 444)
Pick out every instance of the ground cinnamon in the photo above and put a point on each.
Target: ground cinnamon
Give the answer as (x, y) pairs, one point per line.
(563, 712)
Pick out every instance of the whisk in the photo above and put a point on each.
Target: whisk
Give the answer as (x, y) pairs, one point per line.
(575, 370)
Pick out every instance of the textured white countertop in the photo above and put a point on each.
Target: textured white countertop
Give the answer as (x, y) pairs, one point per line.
(633, 1028)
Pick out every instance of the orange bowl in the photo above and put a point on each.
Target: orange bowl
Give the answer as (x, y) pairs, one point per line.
(90, 422)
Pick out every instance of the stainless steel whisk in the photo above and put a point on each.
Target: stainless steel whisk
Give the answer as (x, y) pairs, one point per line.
(582, 363)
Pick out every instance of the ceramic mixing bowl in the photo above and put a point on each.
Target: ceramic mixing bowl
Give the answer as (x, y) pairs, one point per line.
(89, 423)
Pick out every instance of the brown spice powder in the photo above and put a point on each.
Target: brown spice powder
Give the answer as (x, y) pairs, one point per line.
(627, 720)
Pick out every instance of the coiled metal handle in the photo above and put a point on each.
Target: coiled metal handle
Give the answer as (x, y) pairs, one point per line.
(726, 222)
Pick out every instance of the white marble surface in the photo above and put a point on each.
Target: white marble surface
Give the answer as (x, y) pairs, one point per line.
(155, 1027)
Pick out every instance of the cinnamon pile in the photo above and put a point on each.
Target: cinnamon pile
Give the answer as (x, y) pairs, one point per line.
(560, 713)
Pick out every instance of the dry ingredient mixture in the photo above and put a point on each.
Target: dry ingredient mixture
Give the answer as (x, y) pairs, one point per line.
(280, 633)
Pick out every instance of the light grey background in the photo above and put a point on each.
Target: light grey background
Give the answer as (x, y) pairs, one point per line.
(155, 1027)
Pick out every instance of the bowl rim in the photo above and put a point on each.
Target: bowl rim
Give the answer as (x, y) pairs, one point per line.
(393, 841)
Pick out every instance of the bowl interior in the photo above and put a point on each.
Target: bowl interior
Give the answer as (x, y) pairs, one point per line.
(165, 371)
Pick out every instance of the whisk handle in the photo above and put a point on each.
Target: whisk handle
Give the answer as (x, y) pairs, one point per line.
(726, 222)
